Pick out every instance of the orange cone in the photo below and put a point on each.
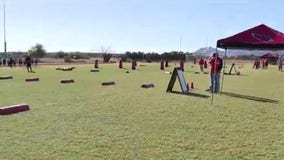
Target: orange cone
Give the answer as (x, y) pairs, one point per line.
(187, 86)
(191, 86)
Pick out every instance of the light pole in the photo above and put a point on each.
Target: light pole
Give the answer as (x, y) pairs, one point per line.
(180, 44)
(4, 26)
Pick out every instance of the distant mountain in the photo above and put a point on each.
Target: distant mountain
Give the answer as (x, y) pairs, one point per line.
(207, 51)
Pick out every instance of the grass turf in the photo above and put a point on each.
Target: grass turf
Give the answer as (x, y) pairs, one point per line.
(85, 120)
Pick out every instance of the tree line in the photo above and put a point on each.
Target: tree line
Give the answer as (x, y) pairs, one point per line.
(38, 51)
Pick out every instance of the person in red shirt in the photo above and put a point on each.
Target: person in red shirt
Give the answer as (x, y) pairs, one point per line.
(263, 64)
(201, 64)
(181, 64)
(216, 66)
(266, 63)
(205, 64)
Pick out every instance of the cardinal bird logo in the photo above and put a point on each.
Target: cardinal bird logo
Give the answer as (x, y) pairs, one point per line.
(261, 37)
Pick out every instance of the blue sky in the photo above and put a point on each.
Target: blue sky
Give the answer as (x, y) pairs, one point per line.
(132, 25)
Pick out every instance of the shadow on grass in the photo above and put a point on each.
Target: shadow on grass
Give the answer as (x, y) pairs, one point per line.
(190, 94)
(258, 99)
(234, 74)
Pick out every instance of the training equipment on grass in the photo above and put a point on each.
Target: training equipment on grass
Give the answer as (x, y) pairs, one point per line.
(133, 65)
(168, 72)
(162, 67)
(64, 81)
(96, 63)
(177, 73)
(191, 85)
(197, 72)
(65, 68)
(34, 79)
(233, 66)
(6, 77)
(108, 83)
(94, 70)
(205, 73)
(147, 85)
(167, 63)
(120, 64)
(14, 109)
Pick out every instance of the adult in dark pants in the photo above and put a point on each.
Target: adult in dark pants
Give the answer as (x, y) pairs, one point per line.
(216, 66)
(14, 62)
(4, 62)
(20, 62)
(28, 61)
(10, 62)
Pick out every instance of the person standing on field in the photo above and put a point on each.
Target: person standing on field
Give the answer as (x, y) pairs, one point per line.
(201, 64)
(28, 61)
(216, 66)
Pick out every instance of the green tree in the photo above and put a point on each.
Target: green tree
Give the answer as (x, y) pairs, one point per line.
(37, 51)
(60, 54)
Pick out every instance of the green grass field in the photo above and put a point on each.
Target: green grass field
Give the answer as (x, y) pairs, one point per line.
(85, 120)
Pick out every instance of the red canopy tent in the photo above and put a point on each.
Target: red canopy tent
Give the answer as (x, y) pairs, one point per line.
(260, 37)
(270, 56)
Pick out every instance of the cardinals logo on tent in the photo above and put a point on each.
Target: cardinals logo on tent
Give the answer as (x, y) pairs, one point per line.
(261, 37)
